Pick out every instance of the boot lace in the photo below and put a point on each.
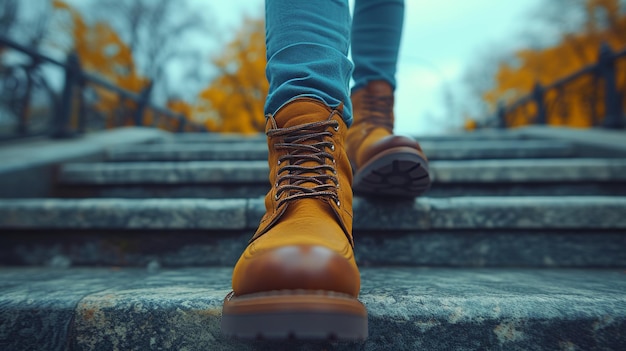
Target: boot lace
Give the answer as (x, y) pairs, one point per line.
(308, 143)
(379, 110)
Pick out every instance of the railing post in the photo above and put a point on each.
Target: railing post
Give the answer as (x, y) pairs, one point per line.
(144, 99)
(538, 96)
(501, 115)
(181, 123)
(60, 122)
(81, 126)
(612, 105)
(24, 107)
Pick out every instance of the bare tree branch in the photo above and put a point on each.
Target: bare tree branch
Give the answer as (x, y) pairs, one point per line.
(154, 31)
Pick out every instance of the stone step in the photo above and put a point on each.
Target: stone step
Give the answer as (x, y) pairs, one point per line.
(244, 179)
(442, 150)
(493, 134)
(408, 309)
(487, 231)
(28, 166)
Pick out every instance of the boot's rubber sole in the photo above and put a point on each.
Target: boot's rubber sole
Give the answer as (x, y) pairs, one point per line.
(294, 314)
(395, 172)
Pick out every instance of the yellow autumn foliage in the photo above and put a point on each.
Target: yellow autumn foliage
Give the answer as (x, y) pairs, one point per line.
(577, 102)
(101, 50)
(179, 107)
(233, 102)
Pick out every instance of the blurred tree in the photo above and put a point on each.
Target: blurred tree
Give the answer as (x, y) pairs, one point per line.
(565, 36)
(8, 15)
(234, 100)
(156, 34)
(29, 30)
(603, 23)
(181, 108)
(101, 50)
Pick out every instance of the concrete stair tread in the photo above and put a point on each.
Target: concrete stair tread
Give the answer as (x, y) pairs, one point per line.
(421, 214)
(409, 308)
(257, 150)
(496, 135)
(220, 172)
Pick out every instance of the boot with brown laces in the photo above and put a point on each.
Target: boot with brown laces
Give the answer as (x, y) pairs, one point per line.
(298, 278)
(384, 164)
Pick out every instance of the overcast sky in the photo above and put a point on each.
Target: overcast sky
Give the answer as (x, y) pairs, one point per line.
(440, 39)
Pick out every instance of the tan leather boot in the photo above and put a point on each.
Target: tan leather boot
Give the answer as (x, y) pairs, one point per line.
(298, 277)
(384, 164)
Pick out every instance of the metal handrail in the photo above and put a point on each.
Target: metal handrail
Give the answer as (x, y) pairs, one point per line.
(604, 68)
(75, 77)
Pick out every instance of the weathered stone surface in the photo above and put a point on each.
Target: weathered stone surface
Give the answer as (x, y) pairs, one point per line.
(496, 149)
(424, 213)
(554, 171)
(528, 212)
(37, 305)
(191, 152)
(505, 189)
(167, 310)
(435, 247)
(435, 150)
(588, 139)
(28, 167)
(431, 309)
(535, 170)
(195, 138)
(493, 134)
(215, 172)
(136, 248)
(494, 248)
(29, 153)
(525, 231)
(259, 189)
(185, 191)
(409, 309)
(123, 214)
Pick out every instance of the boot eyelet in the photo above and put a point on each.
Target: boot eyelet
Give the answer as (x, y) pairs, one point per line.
(336, 128)
(338, 203)
(279, 162)
(332, 147)
(276, 197)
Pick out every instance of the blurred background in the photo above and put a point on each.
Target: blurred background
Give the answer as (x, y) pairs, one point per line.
(463, 64)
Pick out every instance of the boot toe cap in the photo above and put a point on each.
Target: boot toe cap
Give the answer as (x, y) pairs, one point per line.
(294, 267)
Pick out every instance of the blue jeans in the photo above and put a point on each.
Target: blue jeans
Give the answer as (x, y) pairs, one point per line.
(307, 48)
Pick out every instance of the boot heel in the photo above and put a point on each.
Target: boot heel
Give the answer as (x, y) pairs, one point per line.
(396, 172)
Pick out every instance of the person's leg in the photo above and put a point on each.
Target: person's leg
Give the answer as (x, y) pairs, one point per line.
(298, 276)
(307, 46)
(383, 164)
(376, 33)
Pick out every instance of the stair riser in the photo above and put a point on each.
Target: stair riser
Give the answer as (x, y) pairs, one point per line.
(258, 151)
(462, 248)
(482, 174)
(245, 191)
(201, 329)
